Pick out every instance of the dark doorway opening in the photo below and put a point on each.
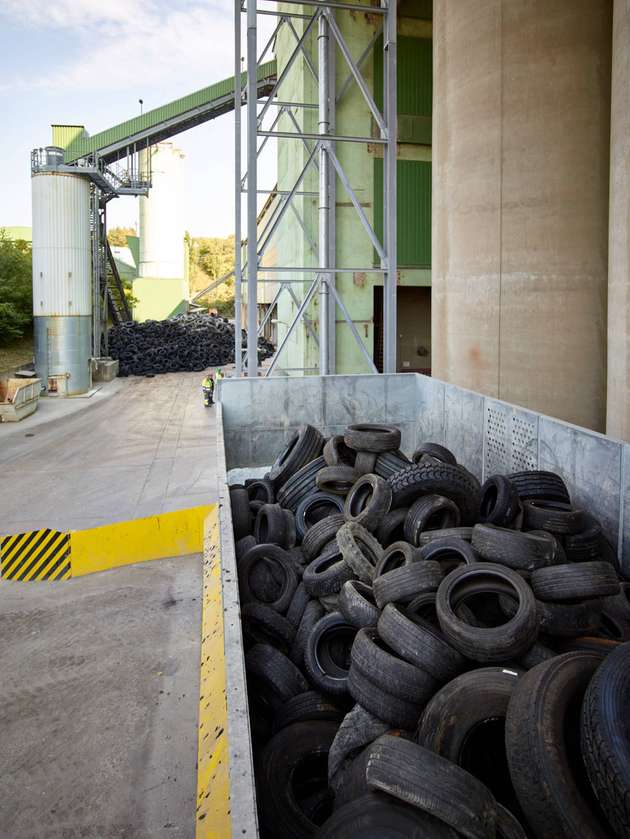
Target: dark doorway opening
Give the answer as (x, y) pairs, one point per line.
(413, 350)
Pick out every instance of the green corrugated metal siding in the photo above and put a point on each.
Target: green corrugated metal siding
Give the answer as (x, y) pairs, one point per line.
(413, 207)
(84, 145)
(414, 87)
(422, 9)
(63, 135)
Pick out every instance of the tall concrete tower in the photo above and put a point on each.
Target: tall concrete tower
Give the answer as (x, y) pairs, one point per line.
(161, 287)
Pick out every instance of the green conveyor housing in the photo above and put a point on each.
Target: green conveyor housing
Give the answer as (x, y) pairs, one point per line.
(158, 124)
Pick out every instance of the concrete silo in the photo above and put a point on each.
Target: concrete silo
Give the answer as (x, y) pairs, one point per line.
(161, 287)
(62, 278)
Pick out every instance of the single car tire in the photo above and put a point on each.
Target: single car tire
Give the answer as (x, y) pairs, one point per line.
(396, 712)
(500, 503)
(417, 776)
(365, 463)
(403, 584)
(313, 612)
(487, 644)
(327, 654)
(388, 463)
(553, 516)
(337, 480)
(280, 568)
(306, 707)
(586, 545)
(360, 550)
(327, 573)
(468, 704)
(263, 625)
(392, 528)
(436, 451)
(453, 482)
(243, 545)
(337, 453)
(542, 766)
(538, 485)
(575, 581)
(261, 490)
(320, 534)
(430, 512)
(270, 527)
(606, 738)
(357, 604)
(383, 668)
(450, 552)
(521, 551)
(299, 485)
(396, 555)
(368, 501)
(297, 605)
(357, 730)
(376, 816)
(314, 508)
(303, 447)
(303, 744)
(415, 640)
(276, 672)
(241, 514)
(369, 437)
(464, 533)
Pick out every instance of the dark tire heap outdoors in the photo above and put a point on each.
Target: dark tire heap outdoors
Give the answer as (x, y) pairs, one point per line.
(191, 342)
(427, 657)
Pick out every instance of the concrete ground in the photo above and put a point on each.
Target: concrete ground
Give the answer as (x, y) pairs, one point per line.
(99, 684)
(99, 676)
(138, 446)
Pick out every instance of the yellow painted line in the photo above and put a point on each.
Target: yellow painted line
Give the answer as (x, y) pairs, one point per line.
(213, 771)
(156, 537)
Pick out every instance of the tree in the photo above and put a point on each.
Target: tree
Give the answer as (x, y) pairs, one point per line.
(117, 236)
(16, 288)
(209, 259)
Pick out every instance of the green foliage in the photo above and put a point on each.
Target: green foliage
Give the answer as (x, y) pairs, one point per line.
(16, 295)
(209, 259)
(117, 236)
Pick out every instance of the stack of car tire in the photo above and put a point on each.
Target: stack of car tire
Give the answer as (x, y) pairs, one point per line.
(186, 342)
(428, 657)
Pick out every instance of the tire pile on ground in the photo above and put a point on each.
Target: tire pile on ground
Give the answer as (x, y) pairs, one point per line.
(427, 657)
(190, 342)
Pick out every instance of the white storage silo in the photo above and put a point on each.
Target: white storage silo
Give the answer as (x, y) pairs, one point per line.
(161, 228)
(62, 277)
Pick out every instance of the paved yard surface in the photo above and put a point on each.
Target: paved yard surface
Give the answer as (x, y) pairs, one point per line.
(137, 447)
(98, 704)
(99, 676)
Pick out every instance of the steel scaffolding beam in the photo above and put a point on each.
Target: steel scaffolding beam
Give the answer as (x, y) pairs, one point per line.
(322, 159)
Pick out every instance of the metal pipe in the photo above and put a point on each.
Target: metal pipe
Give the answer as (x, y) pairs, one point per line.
(390, 332)
(332, 200)
(323, 4)
(324, 198)
(238, 276)
(319, 269)
(252, 185)
(336, 137)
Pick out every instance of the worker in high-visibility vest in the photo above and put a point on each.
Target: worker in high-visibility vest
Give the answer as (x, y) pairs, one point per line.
(207, 387)
(219, 374)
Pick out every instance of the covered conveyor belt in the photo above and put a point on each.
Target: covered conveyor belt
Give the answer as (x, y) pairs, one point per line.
(158, 124)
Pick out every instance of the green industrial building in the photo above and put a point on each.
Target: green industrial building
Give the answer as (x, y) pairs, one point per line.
(361, 291)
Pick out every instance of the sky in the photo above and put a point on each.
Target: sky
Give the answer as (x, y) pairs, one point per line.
(87, 62)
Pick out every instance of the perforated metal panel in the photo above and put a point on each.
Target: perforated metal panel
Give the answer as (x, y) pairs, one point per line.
(524, 443)
(497, 450)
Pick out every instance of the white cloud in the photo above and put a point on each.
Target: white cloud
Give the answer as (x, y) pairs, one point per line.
(132, 42)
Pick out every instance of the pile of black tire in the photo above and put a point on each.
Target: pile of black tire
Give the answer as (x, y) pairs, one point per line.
(428, 657)
(188, 342)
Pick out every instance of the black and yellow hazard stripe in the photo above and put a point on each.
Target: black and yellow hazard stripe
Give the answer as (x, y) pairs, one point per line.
(37, 555)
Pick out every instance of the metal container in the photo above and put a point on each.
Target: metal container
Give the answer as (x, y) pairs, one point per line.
(63, 347)
(18, 398)
(62, 281)
(61, 245)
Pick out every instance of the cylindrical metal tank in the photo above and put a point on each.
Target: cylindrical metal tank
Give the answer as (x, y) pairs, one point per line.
(521, 122)
(161, 228)
(62, 279)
